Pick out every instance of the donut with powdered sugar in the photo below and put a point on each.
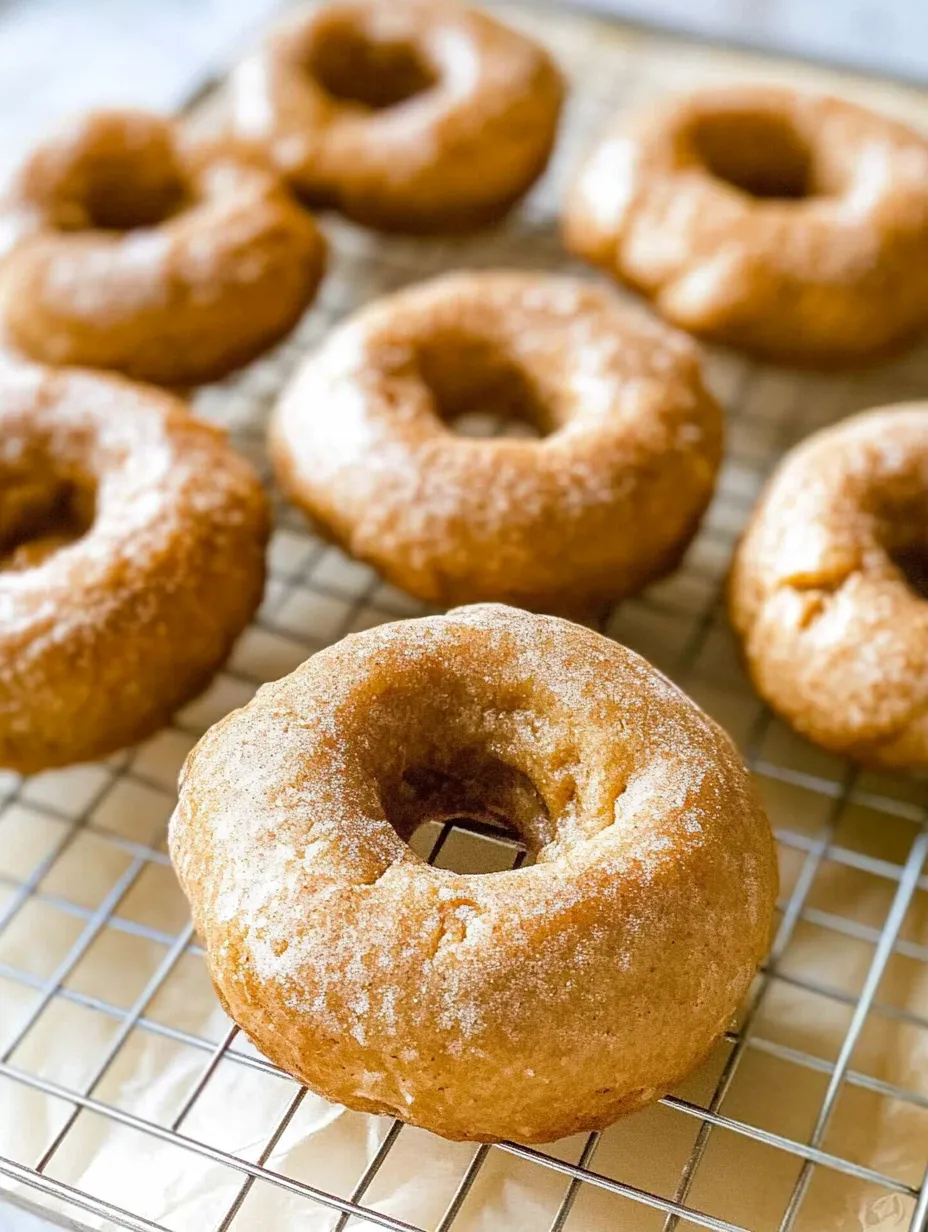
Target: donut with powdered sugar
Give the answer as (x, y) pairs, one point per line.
(417, 115)
(132, 545)
(525, 1004)
(123, 252)
(605, 501)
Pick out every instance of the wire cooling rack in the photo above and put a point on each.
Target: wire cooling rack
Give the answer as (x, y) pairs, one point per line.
(813, 1112)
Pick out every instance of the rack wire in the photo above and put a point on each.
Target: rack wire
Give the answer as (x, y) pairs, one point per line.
(865, 833)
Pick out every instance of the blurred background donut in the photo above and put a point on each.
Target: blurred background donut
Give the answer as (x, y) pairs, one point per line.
(123, 254)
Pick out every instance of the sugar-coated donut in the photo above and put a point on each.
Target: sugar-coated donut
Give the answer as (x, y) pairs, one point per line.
(131, 557)
(417, 115)
(829, 588)
(604, 503)
(125, 254)
(525, 1004)
(789, 224)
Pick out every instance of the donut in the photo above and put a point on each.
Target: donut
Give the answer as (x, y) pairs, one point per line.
(526, 1004)
(791, 225)
(131, 557)
(829, 588)
(122, 254)
(418, 115)
(605, 502)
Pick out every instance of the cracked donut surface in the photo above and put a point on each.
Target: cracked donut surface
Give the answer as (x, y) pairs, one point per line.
(829, 588)
(122, 252)
(524, 1004)
(131, 556)
(789, 224)
(605, 501)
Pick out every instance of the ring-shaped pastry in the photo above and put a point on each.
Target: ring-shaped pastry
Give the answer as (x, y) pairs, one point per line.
(131, 556)
(603, 503)
(525, 1004)
(123, 253)
(789, 224)
(417, 115)
(829, 588)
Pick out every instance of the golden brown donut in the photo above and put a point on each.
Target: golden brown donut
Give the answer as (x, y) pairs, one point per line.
(789, 224)
(131, 557)
(123, 255)
(417, 115)
(525, 1004)
(829, 588)
(604, 503)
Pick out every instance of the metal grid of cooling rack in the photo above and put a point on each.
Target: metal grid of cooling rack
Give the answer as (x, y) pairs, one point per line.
(316, 596)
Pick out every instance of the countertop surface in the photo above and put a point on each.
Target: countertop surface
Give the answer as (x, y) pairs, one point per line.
(59, 55)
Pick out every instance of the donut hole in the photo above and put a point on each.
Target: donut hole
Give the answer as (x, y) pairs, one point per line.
(900, 511)
(38, 519)
(479, 391)
(911, 559)
(370, 73)
(758, 153)
(110, 171)
(121, 183)
(132, 204)
(476, 792)
(470, 846)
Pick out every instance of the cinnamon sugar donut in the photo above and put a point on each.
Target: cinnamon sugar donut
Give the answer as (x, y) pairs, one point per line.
(131, 557)
(418, 115)
(829, 588)
(525, 1004)
(601, 505)
(792, 225)
(124, 255)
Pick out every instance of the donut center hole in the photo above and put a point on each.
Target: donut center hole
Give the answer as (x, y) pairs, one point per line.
(912, 561)
(130, 179)
(130, 203)
(370, 73)
(36, 521)
(486, 815)
(480, 391)
(759, 154)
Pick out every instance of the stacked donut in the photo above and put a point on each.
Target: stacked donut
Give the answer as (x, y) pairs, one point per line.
(539, 1002)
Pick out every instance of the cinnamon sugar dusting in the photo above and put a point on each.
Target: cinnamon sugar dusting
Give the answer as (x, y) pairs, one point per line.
(125, 253)
(835, 635)
(322, 924)
(119, 622)
(615, 488)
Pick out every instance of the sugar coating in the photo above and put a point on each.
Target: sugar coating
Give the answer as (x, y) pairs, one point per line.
(614, 491)
(818, 274)
(450, 157)
(218, 263)
(835, 637)
(101, 638)
(606, 968)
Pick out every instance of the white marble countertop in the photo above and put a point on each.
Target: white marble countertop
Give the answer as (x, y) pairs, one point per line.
(14, 1220)
(888, 37)
(58, 56)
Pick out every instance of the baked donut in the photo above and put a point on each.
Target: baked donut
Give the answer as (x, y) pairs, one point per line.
(124, 255)
(525, 1004)
(605, 502)
(789, 224)
(418, 115)
(829, 588)
(131, 557)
